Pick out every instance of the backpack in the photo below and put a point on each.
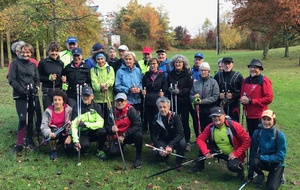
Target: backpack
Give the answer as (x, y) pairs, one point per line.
(232, 80)
(96, 70)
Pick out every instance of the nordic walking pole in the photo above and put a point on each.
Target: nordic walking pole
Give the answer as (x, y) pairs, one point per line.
(176, 98)
(121, 151)
(79, 91)
(161, 150)
(26, 125)
(197, 107)
(247, 182)
(53, 85)
(172, 103)
(34, 112)
(144, 99)
(228, 104)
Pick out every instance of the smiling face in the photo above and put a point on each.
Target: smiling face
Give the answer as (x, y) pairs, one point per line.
(153, 65)
(53, 54)
(26, 52)
(129, 60)
(218, 120)
(227, 66)
(162, 56)
(163, 108)
(58, 102)
(87, 99)
(254, 71)
(101, 61)
(120, 103)
(267, 122)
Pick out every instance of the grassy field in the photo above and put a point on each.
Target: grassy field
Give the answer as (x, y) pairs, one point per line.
(41, 173)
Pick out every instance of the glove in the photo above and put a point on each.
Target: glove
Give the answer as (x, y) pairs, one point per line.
(81, 124)
(170, 89)
(257, 156)
(25, 92)
(175, 91)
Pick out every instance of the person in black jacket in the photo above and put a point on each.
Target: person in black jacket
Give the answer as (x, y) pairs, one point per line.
(77, 72)
(230, 83)
(50, 70)
(155, 85)
(180, 82)
(24, 79)
(167, 132)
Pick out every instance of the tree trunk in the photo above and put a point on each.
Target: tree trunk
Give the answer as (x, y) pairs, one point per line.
(44, 49)
(266, 50)
(1, 49)
(37, 50)
(8, 47)
(286, 51)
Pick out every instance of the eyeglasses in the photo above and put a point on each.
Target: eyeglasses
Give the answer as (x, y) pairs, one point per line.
(26, 52)
(203, 70)
(120, 100)
(153, 63)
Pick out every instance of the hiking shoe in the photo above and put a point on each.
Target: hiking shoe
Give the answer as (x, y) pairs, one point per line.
(283, 180)
(198, 167)
(31, 146)
(101, 155)
(240, 174)
(188, 147)
(259, 180)
(179, 169)
(53, 155)
(137, 163)
(17, 149)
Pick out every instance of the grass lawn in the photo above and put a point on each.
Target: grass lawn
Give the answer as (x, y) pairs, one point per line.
(41, 173)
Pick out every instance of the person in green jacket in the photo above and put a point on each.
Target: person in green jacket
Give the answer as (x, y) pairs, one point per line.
(147, 54)
(66, 55)
(102, 79)
(91, 124)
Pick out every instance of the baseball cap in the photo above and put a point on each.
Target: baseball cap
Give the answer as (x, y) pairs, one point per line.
(121, 96)
(87, 90)
(216, 111)
(71, 39)
(76, 51)
(123, 47)
(227, 59)
(97, 47)
(199, 54)
(268, 113)
(147, 49)
(161, 51)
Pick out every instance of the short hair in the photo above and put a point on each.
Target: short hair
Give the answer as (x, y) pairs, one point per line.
(163, 100)
(130, 53)
(61, 93)
(102, 52)
(219, 61)
(29, 46)
(53, 46)
(152, 59)
(182, 58)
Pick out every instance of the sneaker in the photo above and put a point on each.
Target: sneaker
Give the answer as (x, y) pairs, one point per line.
(198, 167)
(259, 180)
(31, 146)
(241, 174)
(283, 180)
(101, 155)
(53, 155)
(188, 147)
(17, 149)
(137, 163)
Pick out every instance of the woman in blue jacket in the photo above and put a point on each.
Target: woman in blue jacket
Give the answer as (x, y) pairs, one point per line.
(268, 151)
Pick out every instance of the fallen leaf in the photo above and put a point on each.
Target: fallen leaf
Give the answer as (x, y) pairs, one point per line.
(156, 187)
(296, 182)
(66, 188)
(196, 182)
(106, 179)
(87, 181)
(110, 173)
(99, 183)
(39, 182)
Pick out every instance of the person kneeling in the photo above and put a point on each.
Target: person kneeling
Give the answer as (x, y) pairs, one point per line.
(167, 132)
(268, 151)
(55, 116)
(91, 124)
(225, 135)
(126, 127)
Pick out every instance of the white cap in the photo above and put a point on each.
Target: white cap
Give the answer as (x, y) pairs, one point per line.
(123, 47)
(205, 65)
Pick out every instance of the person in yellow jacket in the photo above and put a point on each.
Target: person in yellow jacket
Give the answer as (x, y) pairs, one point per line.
(147, 54)
(102, 79)
(91, 124)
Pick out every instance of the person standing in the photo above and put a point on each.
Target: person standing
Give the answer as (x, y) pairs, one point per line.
(198, 60)
(180, 82)
(112, 56)
(164, 62)
(225, 135)
(91, 124)
(66, 56)
(155, 85)
(129, 80)
(97, 47)
(230, 83)
(203, 95)
(77, 72)
(55, 116)
(125, 126)
(167, 133)
(147, 54)
(256, 94)
(50, 70)
(102, 79)
(268, 151)
(24, 79)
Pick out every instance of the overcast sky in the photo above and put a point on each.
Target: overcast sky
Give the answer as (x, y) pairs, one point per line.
(186, 13)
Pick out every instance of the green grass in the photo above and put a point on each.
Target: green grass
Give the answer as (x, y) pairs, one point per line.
(40, 173)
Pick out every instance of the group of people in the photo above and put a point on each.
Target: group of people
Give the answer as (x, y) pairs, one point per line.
(124, 99)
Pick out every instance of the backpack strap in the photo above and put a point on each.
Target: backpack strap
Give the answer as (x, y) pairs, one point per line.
(231, 132)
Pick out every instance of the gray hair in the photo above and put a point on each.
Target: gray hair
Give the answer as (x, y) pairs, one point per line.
(219, 61)
(163, 100)
(130, 53)
(182, 58)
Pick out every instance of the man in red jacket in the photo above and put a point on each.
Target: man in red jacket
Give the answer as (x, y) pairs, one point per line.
(225, 135)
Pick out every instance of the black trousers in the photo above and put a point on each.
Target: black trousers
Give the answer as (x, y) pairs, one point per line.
(149, 117)
(98, 135)
(275, 172)
(252, 125)
(136, 138)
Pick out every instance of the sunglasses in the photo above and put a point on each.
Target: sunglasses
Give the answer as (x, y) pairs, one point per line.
(120, 100)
